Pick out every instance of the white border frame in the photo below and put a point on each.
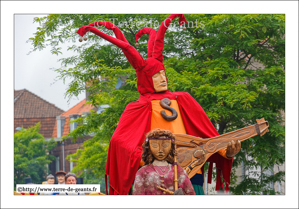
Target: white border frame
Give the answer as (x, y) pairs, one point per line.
(8, 9)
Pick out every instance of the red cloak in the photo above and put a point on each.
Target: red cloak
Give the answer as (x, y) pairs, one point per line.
(125, 147)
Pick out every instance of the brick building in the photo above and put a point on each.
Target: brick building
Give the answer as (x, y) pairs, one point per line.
(61, 128)
(30, 109)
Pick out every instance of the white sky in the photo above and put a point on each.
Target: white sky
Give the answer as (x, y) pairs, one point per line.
(35, 72)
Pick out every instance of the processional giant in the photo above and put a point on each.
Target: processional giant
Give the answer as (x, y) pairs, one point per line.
(157, 107)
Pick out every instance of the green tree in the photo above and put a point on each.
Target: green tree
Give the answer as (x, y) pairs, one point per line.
(233, 65)
(30, 155)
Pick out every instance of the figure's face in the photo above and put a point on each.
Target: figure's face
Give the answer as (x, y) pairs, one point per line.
(71, 180)
(51, 181)
(60, 178)
(160, 148)
(160, 82)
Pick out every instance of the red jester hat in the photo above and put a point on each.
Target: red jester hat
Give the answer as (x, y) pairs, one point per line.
(145, 68)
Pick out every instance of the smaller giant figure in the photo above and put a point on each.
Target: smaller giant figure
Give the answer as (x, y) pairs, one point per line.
(60, 175)
(50, 179)
(158, 171)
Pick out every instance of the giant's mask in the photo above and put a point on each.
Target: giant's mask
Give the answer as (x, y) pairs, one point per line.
(51, 181)
(160, 81)
(160, 148)
(158, 145)
(61, 178)
(145, 68)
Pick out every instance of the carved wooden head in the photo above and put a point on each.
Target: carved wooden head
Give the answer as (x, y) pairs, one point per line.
(160, 81)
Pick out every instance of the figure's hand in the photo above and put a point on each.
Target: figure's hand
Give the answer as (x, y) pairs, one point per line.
(233, 148)
(179, 191)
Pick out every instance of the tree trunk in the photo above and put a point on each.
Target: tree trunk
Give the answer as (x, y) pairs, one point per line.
(222, 126)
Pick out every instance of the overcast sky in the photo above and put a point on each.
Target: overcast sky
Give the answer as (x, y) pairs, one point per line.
(35, 72)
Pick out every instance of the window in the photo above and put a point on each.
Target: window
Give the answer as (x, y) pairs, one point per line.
(102, 108)
(84, 118)
(60, 125)
(119, 83)
(84, 115)
(71, 164)
(73, 125)
(18, 128)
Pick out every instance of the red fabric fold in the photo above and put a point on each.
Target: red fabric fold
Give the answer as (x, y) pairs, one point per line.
(120, 36)
(124, 153)
(110, 26)
(151, 41)
(133, 56)
(218, 179)
(159, 42)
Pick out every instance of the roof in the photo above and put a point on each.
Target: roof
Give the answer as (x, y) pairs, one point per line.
(17, 93)
(29, 105)
(79, 109)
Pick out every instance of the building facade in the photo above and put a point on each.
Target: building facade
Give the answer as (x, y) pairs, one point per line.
(62, 127)
(30, 109)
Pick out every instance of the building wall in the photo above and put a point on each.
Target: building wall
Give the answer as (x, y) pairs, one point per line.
(279, 186)
(239, 172)
(46, 124)
(69, 148)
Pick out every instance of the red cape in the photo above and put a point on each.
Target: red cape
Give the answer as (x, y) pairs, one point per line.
(125, 147)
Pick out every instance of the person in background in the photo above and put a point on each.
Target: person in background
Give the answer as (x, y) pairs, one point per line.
(70, 178)
(60, 175)
(50, 179)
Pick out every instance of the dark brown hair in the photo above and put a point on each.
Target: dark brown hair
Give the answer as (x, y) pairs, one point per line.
(147, 155)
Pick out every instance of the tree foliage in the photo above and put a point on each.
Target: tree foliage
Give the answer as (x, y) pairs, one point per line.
(30, 155)
(233, 65)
